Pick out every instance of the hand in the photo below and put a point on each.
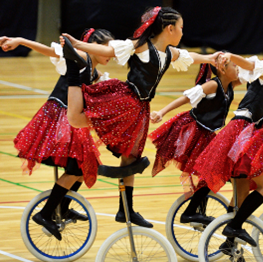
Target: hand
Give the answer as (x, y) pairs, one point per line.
(223, 59)
(214, 58)
(3, 39)
(156, 117)
(9, 43)
(73, 40)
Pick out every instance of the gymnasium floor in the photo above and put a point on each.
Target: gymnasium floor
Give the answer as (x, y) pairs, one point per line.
(24, 87)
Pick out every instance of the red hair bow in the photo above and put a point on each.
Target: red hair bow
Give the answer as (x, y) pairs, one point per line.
(88, 34)
(147, 19)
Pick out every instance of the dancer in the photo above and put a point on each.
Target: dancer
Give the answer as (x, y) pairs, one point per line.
(185, 136)
(54, 142)
(223, 158)
(119, 111)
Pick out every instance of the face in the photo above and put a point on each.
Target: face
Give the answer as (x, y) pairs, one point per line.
(231, 71)
(177, 32)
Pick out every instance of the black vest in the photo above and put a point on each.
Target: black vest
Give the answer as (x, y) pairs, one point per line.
(253, 101)
(60, 92)
(143, 78)
(211, 113)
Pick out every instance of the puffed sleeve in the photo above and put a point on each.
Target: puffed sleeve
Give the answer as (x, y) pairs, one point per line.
(123, 49)
(195, 94)
(104, 77)
(60, 63)
(250, 76)
(183, 61)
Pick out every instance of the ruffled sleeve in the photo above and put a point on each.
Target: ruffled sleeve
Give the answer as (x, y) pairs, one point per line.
(250, 76)
(60, 63)
(123, 49)
(183, 61)
(195, 94)
(104, 77)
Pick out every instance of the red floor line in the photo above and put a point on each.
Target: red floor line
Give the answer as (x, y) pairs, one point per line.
(99, 197)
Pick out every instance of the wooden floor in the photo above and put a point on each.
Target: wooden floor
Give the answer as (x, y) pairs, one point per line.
(24, 86)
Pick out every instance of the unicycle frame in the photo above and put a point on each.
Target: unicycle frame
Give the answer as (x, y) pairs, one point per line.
(128, 221)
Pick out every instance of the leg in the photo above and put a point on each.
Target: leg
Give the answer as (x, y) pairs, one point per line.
(250, 204)
(190, 214)
(136, 218)
(60, 189)
(242, 189)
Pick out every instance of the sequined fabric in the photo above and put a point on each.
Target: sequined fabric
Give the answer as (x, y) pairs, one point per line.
(119, 118)
(49, 134)
(179, 140)
(214, 165)
(254, 150)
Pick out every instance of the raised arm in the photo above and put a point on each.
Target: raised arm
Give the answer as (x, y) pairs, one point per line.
(14, 42)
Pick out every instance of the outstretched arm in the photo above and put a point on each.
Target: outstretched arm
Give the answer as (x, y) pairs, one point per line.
(157, 116)
(95, 49)
(13, 42)
(238, 60)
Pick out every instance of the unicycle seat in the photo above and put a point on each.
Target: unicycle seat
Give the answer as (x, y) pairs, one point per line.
(124, 171)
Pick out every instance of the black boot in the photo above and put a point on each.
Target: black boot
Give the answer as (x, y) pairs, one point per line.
(198, 200)
(234, 228)
(44, 217)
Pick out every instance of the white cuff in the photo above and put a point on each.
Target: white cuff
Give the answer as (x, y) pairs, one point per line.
(122, 49)
(183, 61)
(250, 76)
(195, 94)
(104, 77)
(60, 63)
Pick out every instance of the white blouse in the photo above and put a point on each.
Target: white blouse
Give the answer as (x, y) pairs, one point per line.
(250, 76)
(123, 49)
(59, 62)
(196, 94)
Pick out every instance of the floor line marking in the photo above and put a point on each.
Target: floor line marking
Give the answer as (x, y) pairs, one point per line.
(14, 256)
(24, 87)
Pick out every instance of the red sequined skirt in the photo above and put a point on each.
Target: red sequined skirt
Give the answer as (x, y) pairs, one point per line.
(118, 116)
(179, 140)
(254, 150)
(49, 134)
(222, 159)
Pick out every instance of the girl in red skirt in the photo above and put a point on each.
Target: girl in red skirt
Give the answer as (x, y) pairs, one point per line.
(48, 138)
(119, 111)
(185, 136)
(225, 156)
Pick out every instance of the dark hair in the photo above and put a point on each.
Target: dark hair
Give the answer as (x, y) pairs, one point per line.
(166, 16)
(205, 73)
(100, 36)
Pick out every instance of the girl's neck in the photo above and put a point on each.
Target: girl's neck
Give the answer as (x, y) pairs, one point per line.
(225, 82)
(94, 62)
(159, 42)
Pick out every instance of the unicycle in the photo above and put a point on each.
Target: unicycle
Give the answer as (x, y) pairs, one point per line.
(77, 236)
(185, 237)
(134, 243)
(238, 250)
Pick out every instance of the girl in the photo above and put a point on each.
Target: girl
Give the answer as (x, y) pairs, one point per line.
(225, 156)
(54, 142)
(183, 138)
(119, 111)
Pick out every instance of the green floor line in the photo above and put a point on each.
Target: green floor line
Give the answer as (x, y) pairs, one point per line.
(18, 184)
